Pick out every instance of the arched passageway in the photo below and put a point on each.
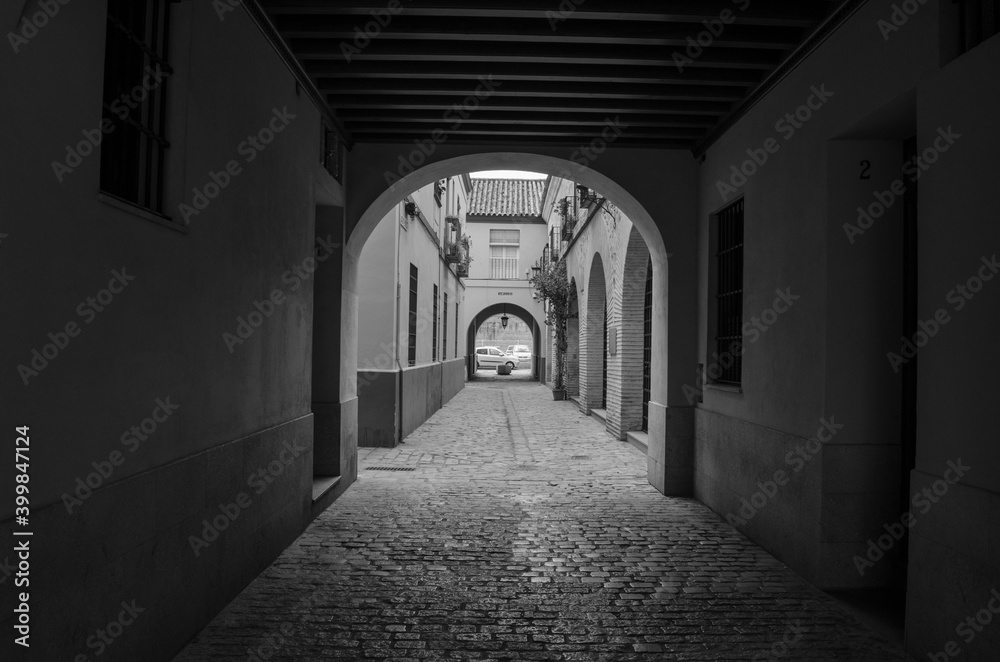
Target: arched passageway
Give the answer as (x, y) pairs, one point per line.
(381, 174)
(511, 310)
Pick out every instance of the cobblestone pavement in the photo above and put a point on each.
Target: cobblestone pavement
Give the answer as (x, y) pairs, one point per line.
(525, 532)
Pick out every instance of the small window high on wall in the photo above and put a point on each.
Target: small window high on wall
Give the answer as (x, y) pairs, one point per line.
(411, 344)
(980, 20)
(729, 295)
(135, 69)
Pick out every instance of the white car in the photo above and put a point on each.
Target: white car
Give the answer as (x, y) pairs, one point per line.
(490, 357)
(522, 352)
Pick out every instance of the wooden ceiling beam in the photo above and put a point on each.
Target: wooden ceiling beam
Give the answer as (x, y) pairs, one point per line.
(501, 88)
(534, 105)
(595, 73)
(530, 54)
(793, 13)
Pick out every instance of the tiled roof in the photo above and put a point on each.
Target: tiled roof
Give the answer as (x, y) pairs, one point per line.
(507, 197)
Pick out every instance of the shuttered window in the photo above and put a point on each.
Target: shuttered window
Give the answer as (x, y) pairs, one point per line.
(504, 248)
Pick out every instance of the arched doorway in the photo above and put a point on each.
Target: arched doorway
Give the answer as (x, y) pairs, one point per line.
(371, 167)
(593, 339)
(626, 404)
(573, 342)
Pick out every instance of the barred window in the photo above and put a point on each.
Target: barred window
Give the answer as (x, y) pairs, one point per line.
(504, 248)
(411, 344)
(444, 329)
(434, 328)
(980, 20)
(729, 293)
(135, 66)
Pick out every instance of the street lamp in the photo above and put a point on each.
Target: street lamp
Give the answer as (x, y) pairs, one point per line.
(503, 318)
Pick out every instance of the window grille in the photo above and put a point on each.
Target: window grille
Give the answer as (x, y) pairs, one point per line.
(331, 152)
(444, 329)
(980, 21)
(434, 327)
(647, 346)
(729, 293)
(135, 102)
(411, 345)
(604, 367)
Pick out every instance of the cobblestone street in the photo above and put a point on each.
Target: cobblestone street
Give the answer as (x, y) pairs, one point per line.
(510, 526)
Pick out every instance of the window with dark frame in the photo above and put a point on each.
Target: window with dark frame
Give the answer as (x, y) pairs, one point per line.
(411, 344)
(647, 346)
(729, 293)
(604, 367)
(980, 20)
(456, 329)
(134, 101)
(331, 152)
(444, 329)
(434, 328)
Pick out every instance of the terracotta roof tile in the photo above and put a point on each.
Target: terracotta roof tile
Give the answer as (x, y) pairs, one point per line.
(507, 197)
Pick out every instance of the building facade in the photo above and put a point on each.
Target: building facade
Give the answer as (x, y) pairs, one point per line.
(506, 232)
(410, 360)
(608, 362)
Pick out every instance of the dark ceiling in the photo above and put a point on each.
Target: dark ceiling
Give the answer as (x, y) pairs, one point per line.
(558, 72)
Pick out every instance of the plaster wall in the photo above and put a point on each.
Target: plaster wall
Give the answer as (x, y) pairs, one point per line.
(161, 338)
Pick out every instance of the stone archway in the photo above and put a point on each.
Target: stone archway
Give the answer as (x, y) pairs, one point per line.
(513, 310)
(378, 175)
(625, 366)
